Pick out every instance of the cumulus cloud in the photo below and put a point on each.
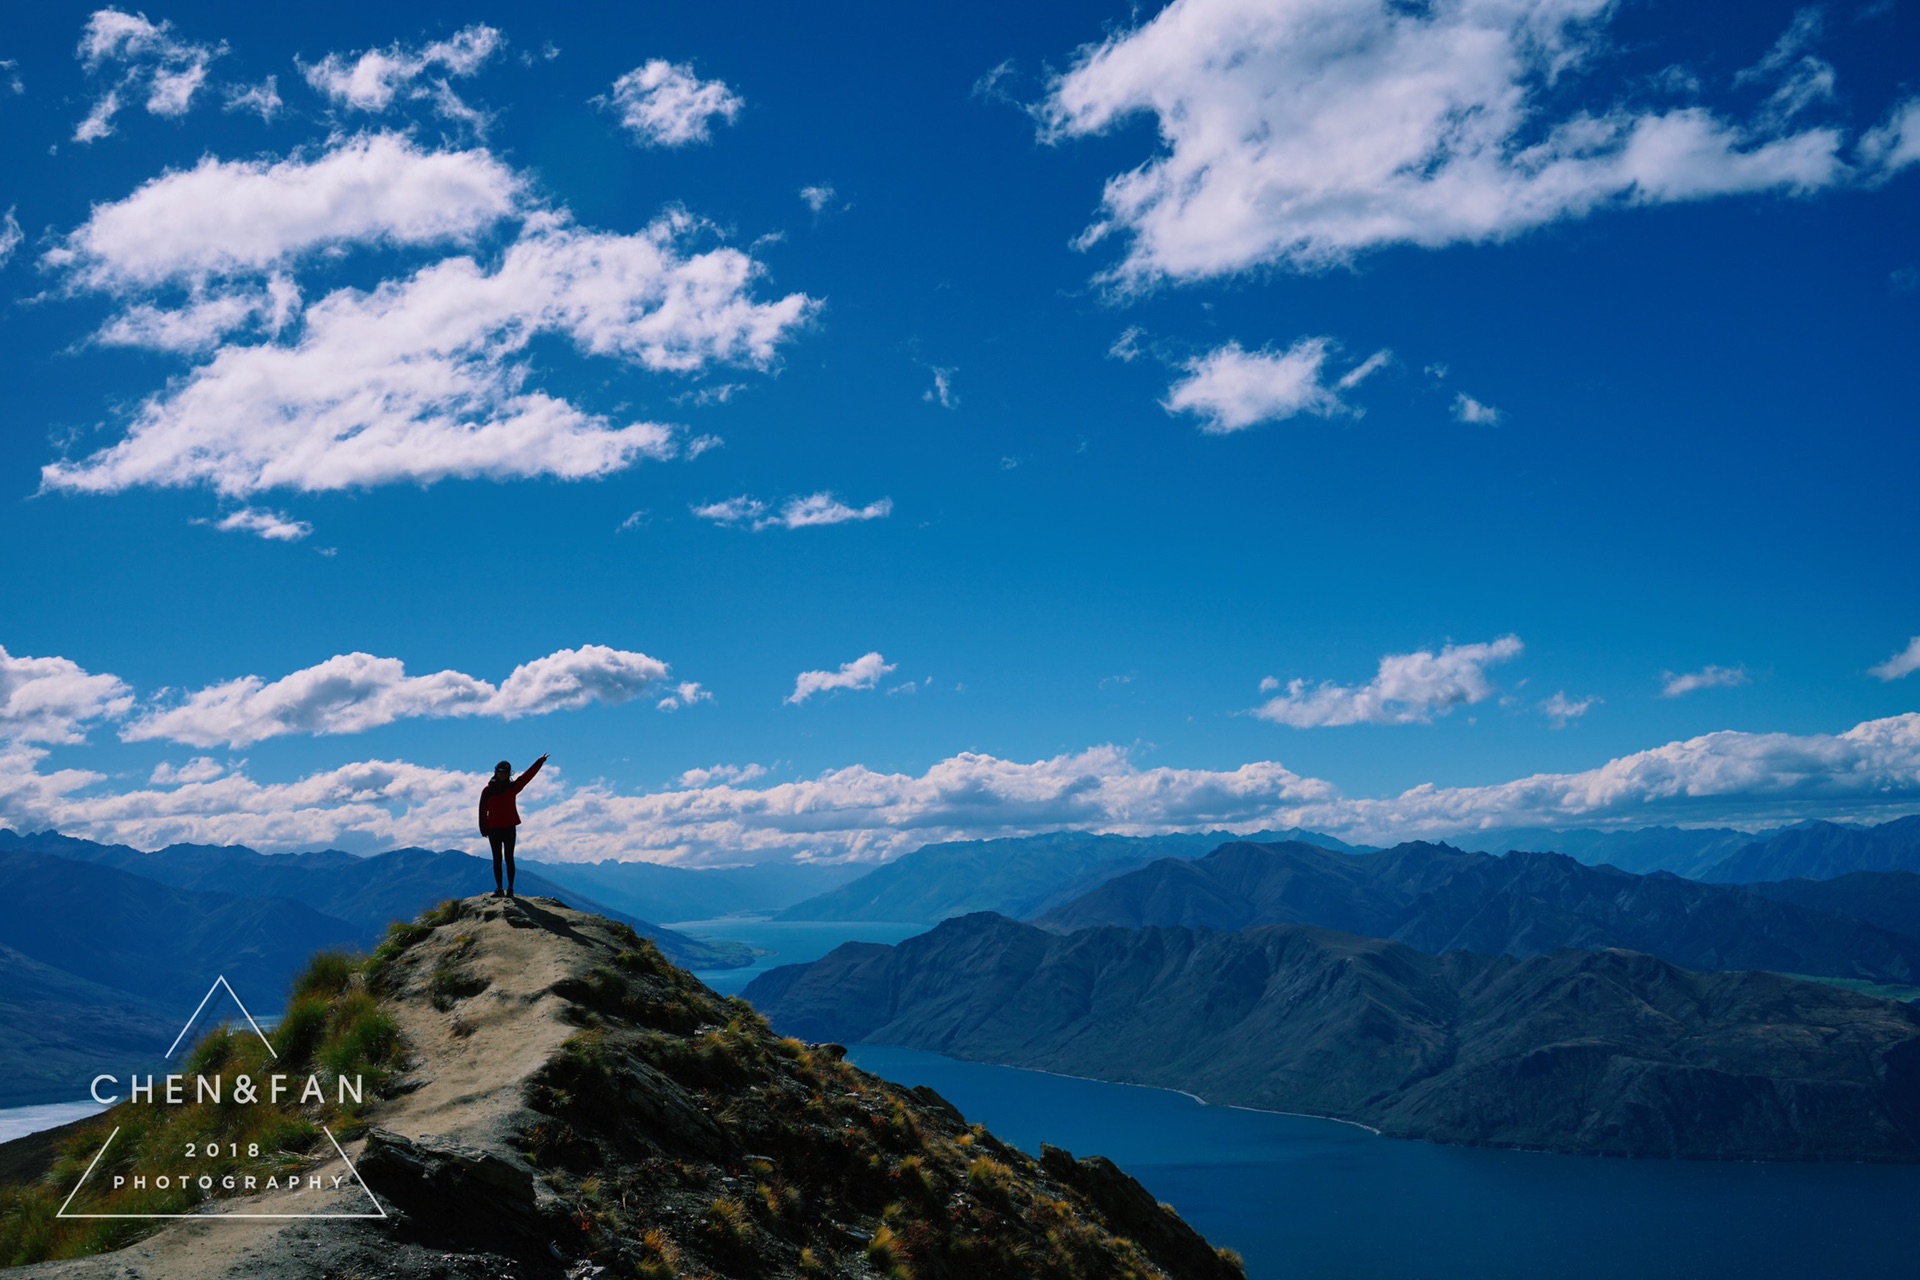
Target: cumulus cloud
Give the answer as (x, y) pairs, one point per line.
(1904, 663)
(374, 80)
(53, 699)
(242, 217)
(1712, 677)
(1231, 389)
(425, 378)
(355, 692)
(271, 525)
(198, 769)
(1869, 771)
(205, 319)
(1410, 688)
(1563, 711)
(665, 104)
(1303, 132)
(721, 773)
(801, 512)
(863, 672)
(1467, 409)
(817, 198)
(684, 694)
(138, 59)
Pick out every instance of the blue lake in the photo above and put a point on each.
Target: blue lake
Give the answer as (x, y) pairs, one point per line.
(1315, 1198)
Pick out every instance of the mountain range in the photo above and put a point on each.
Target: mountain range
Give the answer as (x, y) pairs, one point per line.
(108, 949)
(1019, 876)
(1437, 899)
(1600, 1052)
(556, 1101)
(679, 893)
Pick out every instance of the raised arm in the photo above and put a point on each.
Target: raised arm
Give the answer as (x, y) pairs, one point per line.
(527, 777)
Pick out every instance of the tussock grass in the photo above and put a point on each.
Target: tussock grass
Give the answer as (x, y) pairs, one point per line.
(333, 1026)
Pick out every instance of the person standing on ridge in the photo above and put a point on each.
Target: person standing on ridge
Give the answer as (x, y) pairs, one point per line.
(499, 816)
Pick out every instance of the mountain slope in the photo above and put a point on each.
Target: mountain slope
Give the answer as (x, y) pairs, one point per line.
(1605, 1052)
(1684, 851)
(571, 1102)
(1021, 876)
(1889, 900)
(367, 893)
(1823, 851)
(677, 893)
(62, 1029)
(1441, 899)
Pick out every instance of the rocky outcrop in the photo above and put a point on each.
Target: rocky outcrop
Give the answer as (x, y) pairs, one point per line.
(569, 1104)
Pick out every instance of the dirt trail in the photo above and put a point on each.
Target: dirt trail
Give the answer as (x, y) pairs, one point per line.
(469, 1065)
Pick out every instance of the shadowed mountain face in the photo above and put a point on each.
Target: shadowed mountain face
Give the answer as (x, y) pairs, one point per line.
(1824, 851)
(1683, 851)
(1887, 899)
(566, 1104)
(106, 949)
(367, 894)
(1021, 877)
(1604, 1052)
(1440, 899)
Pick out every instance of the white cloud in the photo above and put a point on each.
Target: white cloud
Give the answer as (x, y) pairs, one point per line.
(731, 774)
(373, 80)
(684, 694)
(1563, 711)
(665, 104)
(425, 377)
(941, 392)
(1869, 772)
(15, 85)
(1126, 347)
(1365, 369)
(355, 692)
(1712, 677)
(262, 99)
(799, 512)
(863, 672)
(149, 58)
(817, 198)
(1904, 663)
(1410, 688)
(1893, 144)
(271, 525)
(1801, 79)
(10, 235)
(208, 316)
(52, 699)
(1303, 132)
(1467, 409)
(198, 769)
(238, 217)
(1231, 389)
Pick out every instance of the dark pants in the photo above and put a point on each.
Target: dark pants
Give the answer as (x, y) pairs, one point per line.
(501, 839)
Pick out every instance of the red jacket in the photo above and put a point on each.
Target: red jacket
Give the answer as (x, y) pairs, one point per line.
(496, 800)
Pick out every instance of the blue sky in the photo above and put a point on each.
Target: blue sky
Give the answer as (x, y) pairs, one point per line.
(829, 431)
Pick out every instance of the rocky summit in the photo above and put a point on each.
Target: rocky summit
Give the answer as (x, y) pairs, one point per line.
(561, 1101)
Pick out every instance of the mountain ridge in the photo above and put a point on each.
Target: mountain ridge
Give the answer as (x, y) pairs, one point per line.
(1590, 1052)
